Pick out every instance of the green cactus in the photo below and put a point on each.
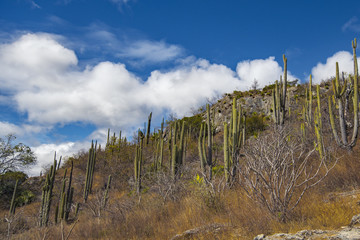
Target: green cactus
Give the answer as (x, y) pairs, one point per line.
(177, 148)
(226, 153)
(279, 97)
(69, 194)
(205, 150)
(106, 195)
(12, 203)
(234, 139)
(148, 129)
(308, 103)
(338, 93)
(138, 163)
(46, 196)
(90, 170)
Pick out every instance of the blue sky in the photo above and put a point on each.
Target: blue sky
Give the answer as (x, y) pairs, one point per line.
(70, 69)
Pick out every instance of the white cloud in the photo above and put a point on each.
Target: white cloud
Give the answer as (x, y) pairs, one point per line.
(9, 128)
(189, 86)
(43, 79)
(324, 71)
(152, 52)
(19, 130)
(45, 154)
(265, 71)
(46, 84)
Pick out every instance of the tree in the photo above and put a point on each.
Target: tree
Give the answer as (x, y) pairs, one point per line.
(14, 156)
(278, 170)
(255, 85)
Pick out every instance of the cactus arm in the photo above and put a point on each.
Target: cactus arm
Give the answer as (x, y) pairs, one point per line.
(209, 157)
(355, 96)
(332, 122)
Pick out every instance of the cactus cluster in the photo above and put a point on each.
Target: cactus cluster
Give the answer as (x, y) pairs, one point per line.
(66, 198)
(138, 162)
(177, 148)
(47, 195)
(90, 168)
(234, 139)
(205, 151)
(339, 91)
(307, 109)
(279, 97)
(159, 153)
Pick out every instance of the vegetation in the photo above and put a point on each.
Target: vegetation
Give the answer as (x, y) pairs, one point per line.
(14, 157)
(225, 175)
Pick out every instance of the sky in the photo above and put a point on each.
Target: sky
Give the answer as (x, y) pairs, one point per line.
(71, 69)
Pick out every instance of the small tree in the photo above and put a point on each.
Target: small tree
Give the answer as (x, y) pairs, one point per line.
(278, 170)
(13, 157)
(255, 85)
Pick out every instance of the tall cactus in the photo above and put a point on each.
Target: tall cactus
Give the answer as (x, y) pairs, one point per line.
(318, 124)
(226, 153)
(205, 151)
(338, 93)
(279, 97)
(177, 150)
(308, 103)
(69, 194)
(138, 163)
(47, 195)
(106, 194)
(90, 170)
(12, 203)
(148, 129)
(234, 139)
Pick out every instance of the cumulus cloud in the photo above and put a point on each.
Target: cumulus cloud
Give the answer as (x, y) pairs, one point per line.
(9, 128)
(45, 83)
(19, 130)
(265, 71)
(44, 80)
(45, 154)
(324, 71)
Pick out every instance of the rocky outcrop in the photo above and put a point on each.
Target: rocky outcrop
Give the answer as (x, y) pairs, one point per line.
(211, 228)
(351, 232)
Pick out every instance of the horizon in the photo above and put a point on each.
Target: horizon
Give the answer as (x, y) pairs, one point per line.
(72, 69)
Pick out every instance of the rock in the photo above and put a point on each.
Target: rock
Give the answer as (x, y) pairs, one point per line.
(215, 227)
(345, 233)
(355, 220)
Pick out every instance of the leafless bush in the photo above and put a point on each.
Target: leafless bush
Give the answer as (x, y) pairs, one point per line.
(278, 170)
(166, 187)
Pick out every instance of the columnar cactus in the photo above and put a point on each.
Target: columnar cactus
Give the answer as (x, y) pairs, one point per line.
(308, 103)
(138, 163)
(205, 151)
(279, 97)
(47, 195)
(148, 129)
(12, 203)
(338, 93)
(234, 139)
(177, 152)
(226, 153)
(106, 195)
(90, 170)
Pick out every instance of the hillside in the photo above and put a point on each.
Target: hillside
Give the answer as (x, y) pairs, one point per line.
(256, 162)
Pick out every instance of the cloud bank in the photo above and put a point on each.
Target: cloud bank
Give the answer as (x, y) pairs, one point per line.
(324, 71)
(44, 81)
